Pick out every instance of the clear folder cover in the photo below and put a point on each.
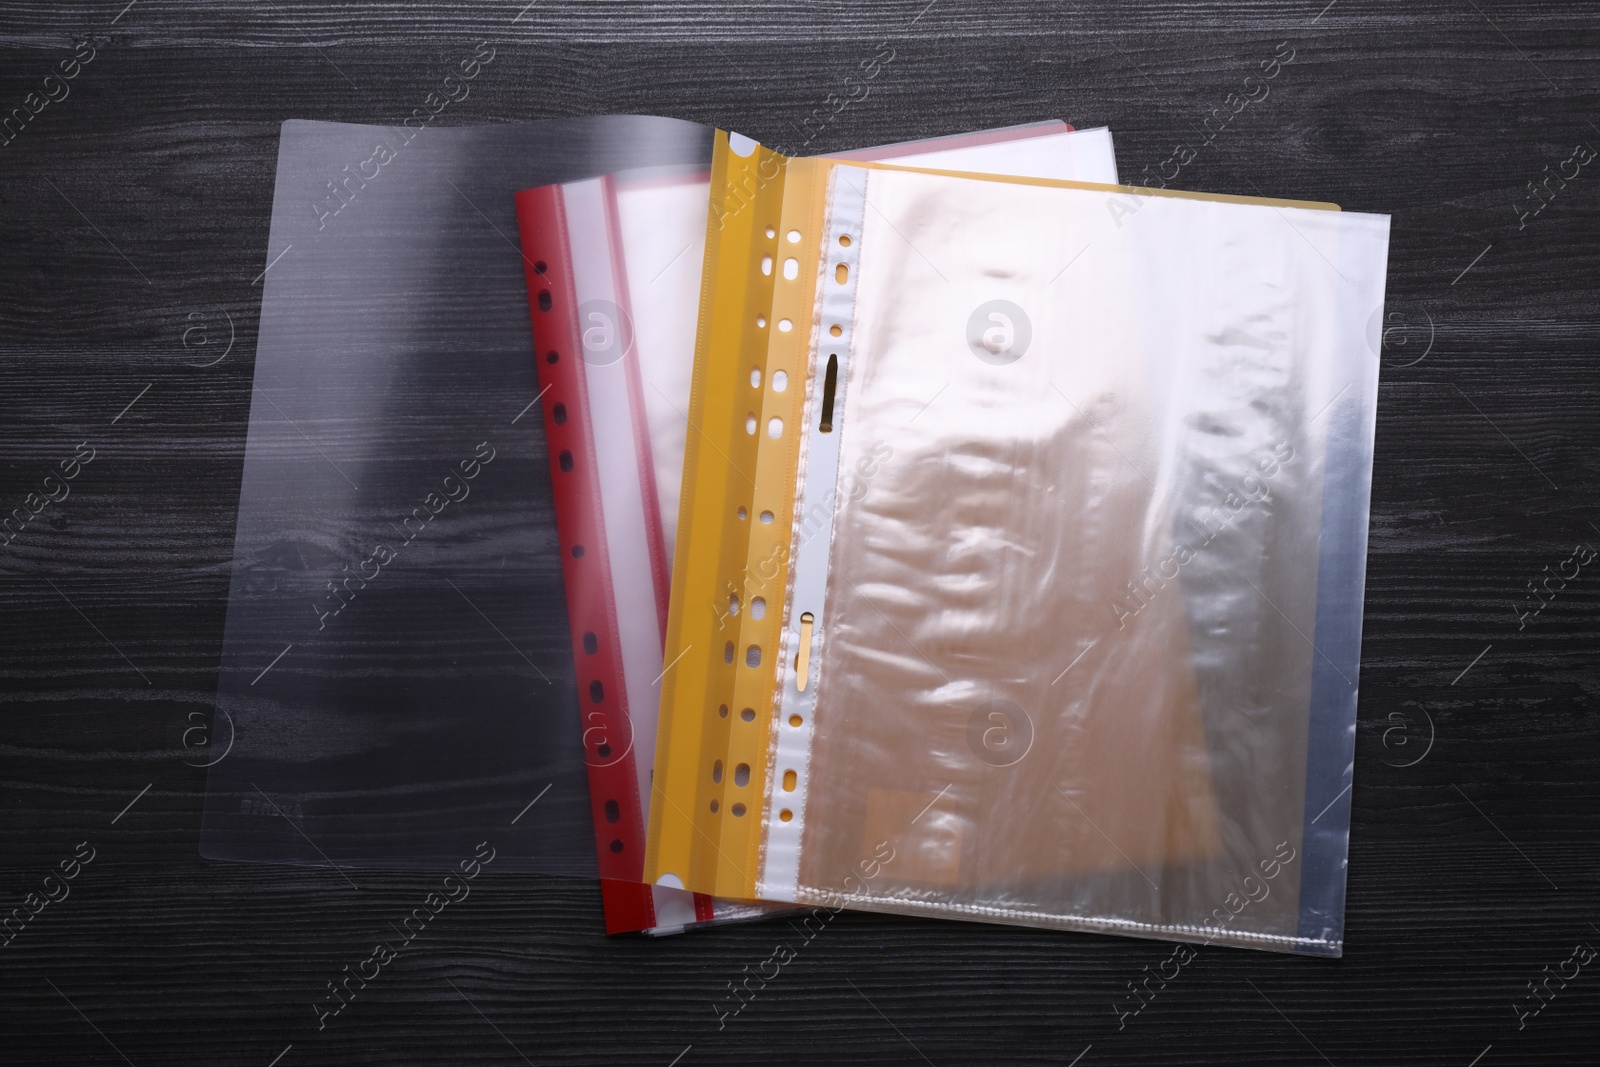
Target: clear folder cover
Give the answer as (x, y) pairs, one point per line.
(396, 679)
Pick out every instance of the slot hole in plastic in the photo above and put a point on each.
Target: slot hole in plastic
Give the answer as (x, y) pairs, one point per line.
(748, 714)
(775, 428)
(752, 656)
(791, 269)
(758, 608)
(591, 644)
(830, 385)
(841, 273)
(544, 300)
(738, 811)
(613, 811)
(755, 377)
(790, 780)
(552, 357)
(565, 460)
(741, 775)
(597, 692)
(559, 413)
(722, 711)
(727, 652)
(716, 772)
(780, 380)
(766, 264)
(785, 815)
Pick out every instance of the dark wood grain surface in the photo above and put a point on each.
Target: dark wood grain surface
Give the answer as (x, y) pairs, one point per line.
(136, 209)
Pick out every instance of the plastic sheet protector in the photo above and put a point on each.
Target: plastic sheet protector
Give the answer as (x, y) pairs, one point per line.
(397, 683)
(613, 267)
(1021, 553)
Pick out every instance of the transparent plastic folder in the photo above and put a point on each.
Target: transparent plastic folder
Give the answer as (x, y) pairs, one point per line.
(396, 681)
(613, 267)
(1021, 557)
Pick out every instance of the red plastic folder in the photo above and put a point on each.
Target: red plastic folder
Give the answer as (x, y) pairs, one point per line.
(613, 272)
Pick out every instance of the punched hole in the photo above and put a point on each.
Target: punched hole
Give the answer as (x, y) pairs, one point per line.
(766, 516)
(748, 714)
(714, 807)
(836, 331)
(544, 300)
(752, 656)
(791, 268)
(758, 608)
(771, 232)
(559, 413)
(785, 815)
(733, 603)
(577, 551)
(755, 377)
(780, 381)
(727, 652)
(761, 321)
(844, 240)
(738, 811)
(741, 775)
(790, 780)
(591, 644)
(841, 273)
(796, 721)
(830, 384)
(794, 237)
(743, 514)
(540, 267)
(597, 692)
(613, 811)
(552, 357)
(775, 429)
(750, 423)
(565, 460)
(603, 751)
(766, 264)
(722, 711)
(616, 844)
(784, 325)
(716, 772)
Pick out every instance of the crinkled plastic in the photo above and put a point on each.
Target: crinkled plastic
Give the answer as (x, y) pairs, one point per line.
(1028, 585)
(613, 268)
(396, 677)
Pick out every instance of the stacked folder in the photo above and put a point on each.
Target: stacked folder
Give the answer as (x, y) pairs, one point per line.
(939, 529)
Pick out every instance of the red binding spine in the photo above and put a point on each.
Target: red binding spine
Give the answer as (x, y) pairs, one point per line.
(607, 734)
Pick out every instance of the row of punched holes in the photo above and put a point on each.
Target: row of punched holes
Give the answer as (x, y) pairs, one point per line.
(591, 644)
(780, 382)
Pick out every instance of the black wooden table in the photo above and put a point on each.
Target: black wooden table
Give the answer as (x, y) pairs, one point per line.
(133, 219)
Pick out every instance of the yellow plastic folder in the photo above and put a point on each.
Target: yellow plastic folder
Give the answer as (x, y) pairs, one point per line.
(1009, 532)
